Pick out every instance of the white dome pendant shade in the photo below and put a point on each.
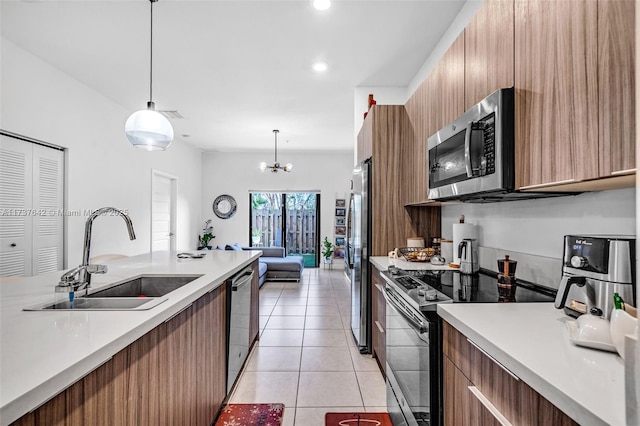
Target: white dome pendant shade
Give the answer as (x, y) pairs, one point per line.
(147, 128)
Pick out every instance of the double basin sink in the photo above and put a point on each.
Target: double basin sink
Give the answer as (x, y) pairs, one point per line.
(140, 293)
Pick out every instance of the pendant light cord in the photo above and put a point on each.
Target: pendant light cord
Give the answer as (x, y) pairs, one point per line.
(151, 57)
(276, 133)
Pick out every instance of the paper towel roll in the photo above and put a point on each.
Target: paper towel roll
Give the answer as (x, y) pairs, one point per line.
(460, 232)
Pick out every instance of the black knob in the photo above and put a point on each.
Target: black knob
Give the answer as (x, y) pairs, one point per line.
(14, 245)
(595, 311)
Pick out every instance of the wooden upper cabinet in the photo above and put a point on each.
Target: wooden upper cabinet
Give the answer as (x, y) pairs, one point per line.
(446, 87)
(488, 51)
(436, 102)
(365, 138)
(616, 84)
(556, 91)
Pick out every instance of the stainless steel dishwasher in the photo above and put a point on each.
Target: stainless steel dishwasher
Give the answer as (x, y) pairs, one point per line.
(238, 314)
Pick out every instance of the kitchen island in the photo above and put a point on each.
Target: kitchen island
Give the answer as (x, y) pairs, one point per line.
(44, 353)
(531, 341)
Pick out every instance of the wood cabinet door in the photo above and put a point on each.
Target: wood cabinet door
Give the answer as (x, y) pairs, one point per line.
(556, 95)
(415, 147)
(488, 51)
(616, 84)
(364, 144)
(446, 87)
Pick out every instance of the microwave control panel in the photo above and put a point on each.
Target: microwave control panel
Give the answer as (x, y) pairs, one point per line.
(483, 146)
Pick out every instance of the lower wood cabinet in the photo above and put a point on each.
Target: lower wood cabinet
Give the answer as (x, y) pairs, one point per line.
(379, 312)
(173, 375)
(480, 391)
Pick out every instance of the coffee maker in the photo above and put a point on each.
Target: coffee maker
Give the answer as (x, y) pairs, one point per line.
(595, 267)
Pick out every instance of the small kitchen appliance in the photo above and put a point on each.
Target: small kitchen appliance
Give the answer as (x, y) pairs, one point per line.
(468, 254)
(595, 267)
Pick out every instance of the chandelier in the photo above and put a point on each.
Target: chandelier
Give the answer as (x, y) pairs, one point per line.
(276, 166)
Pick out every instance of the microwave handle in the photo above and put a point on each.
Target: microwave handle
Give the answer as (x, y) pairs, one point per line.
(467, 148)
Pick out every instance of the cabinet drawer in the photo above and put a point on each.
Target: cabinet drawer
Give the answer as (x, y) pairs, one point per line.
(494, 393)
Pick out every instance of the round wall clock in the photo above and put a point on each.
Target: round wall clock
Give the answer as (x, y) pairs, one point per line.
(224, 206)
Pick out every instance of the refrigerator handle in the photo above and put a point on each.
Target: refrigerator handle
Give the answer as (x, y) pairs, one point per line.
(349, 224)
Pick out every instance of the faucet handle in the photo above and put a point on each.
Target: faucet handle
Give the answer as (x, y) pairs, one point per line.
(97, 269)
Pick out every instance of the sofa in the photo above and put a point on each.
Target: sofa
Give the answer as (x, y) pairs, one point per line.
(274, 265)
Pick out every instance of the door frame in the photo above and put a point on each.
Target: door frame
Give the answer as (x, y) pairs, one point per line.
(173, 207)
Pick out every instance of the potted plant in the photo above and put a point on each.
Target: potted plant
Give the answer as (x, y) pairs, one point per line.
(206, 237)
(256, 234)
(327, 250)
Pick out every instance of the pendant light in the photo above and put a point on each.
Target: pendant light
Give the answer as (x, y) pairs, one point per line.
(147, 128)
(276, 166)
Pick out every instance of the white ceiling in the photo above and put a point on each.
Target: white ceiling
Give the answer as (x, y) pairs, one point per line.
(236, 69)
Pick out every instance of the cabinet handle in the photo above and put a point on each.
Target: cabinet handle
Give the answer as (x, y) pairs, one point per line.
(489, 406)
(379, 287)
(494, 360)
(623, 172)
(379, 326)
(544, 185)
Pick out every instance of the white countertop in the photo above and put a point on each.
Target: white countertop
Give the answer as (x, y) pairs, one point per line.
(44, 352)
(531, 340)
(383, 263)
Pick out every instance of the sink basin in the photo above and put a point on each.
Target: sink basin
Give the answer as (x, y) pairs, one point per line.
(101, 304)
(144, 286)
(137, 294)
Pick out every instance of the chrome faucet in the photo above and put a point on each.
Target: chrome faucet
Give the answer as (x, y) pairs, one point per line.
(80, 278)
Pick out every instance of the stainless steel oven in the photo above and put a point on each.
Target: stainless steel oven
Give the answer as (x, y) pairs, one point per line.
(412, 363)
(414, 334)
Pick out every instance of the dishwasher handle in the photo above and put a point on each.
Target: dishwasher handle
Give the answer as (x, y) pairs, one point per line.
(241, 279)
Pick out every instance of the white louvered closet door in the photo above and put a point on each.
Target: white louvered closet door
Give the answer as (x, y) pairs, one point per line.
(31, 208)
(16, 222)
(48, 204)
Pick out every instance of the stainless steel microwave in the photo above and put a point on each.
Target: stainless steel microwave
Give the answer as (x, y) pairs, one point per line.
(472, 158)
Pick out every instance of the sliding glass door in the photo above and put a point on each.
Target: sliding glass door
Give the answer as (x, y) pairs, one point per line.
(290, 220)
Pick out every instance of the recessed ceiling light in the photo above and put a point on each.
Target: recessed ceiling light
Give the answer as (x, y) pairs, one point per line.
(322, 4)
(320, 66)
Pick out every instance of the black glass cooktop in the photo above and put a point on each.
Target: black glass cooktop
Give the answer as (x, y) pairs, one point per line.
(454, 287)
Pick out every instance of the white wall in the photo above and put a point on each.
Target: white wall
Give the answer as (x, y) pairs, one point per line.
(41, 102)
(237, 173)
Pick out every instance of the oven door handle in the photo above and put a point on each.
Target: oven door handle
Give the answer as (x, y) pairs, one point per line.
(412, 318)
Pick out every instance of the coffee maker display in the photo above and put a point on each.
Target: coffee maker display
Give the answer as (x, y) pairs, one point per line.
(593, 269)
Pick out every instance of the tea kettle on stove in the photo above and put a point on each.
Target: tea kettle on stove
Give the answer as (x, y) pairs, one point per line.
(468, 254)
(593, 269)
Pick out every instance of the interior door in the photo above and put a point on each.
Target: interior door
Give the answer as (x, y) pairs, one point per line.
(163, 211)
(31, 207)
(15, 201)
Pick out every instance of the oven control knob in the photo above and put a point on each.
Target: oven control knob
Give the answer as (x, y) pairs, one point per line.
(578, 262)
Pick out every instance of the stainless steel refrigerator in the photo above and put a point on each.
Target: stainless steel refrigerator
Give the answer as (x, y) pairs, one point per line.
(358, 249)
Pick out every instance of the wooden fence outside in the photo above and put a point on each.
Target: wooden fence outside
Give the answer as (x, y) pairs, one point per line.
(300, 233)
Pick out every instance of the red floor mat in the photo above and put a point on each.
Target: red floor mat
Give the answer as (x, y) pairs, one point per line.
(251, 415)
(357, 419)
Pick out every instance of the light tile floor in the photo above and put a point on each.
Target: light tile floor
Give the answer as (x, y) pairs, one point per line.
(306, 357)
